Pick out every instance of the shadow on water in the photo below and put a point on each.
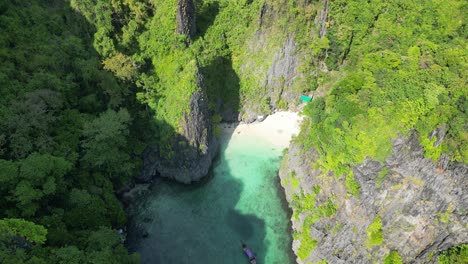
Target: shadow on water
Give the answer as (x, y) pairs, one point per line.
(196, 223)
(199, 223)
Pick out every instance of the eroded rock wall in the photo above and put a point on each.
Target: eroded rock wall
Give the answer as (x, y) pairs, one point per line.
(285, 68)
(422, 206)
(186, 18)
(275, 60)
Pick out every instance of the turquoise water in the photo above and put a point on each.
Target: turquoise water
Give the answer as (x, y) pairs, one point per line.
(206, 222)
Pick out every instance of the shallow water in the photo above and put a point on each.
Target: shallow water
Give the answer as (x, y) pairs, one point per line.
(206, 222)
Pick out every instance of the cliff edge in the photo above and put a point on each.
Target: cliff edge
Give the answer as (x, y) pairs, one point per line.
(407, 205)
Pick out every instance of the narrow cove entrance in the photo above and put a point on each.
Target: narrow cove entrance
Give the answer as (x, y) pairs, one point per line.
(207, 222)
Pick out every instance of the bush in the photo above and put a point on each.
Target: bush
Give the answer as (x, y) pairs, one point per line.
(455, 255)
(374, 233)
(393, 258)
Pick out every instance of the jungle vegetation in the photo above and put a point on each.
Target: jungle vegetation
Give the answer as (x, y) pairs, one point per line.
(86, 85)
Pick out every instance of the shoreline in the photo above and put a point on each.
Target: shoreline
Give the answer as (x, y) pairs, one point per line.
(277, 129)
(289, 212)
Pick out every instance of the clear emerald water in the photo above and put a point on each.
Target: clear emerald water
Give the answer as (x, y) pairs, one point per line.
(206, 222)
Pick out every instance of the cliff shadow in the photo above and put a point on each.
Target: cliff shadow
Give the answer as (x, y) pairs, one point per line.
(200, 222)
(206, 15)
(179, 223)
(196, 223)
(223, 85)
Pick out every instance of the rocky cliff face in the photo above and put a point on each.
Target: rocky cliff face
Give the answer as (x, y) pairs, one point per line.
(193, 150)
(420, 205)
(275, 60)
(278, 83)
(282, 73)
(186, 18)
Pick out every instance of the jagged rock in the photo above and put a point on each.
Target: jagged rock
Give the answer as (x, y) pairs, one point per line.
(278, 84)
(282, 73)
(186, 18)
(439, 133)
(193, 150)
(280, 78)
(321, 19)
(422, 209)
(251, 114)
(136, 191)
(443, 162)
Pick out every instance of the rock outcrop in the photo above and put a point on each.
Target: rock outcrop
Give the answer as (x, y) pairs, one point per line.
(193, 150)
(278, 83)
(282, 73)
(279, 72)
(421, 206)
(186, 18)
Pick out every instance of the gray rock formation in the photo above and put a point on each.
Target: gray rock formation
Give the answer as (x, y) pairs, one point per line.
(282, 73)
(280, 77)
(321, 19)
(192, 151)
(278, 84)
(422, 206)
(186, 18)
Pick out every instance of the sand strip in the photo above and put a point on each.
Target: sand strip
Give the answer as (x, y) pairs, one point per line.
(278, 128)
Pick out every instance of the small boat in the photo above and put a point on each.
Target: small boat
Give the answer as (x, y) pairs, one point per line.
(249, 254)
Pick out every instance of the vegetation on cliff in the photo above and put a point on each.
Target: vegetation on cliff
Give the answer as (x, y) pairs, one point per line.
(401, 67)
(84, 82)
(385, 69)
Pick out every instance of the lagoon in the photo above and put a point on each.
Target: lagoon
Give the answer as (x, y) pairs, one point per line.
(241, 201)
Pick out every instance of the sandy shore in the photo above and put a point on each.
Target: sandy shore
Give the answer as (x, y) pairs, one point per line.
(277, 128)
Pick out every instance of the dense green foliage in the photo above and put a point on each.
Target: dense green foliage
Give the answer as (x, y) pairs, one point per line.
(74, 74)
(393, 258)
(455, 255)
(374, 233)
(65, 142)
(11, 227)
(138, 42)
(402, 67)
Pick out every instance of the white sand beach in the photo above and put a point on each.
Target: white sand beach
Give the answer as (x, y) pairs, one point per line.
(278, 128)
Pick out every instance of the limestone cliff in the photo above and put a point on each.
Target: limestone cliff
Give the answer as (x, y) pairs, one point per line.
(278, 83)
(275, 60)
(193, 150)
(186, 18)
(407, 204)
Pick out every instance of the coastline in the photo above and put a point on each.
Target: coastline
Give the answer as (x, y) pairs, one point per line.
(144, 226)
(277, 128)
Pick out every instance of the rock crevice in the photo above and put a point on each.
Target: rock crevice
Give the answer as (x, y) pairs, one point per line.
(186, 18)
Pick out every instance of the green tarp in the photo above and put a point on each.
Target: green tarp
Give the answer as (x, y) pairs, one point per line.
(305, 98)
